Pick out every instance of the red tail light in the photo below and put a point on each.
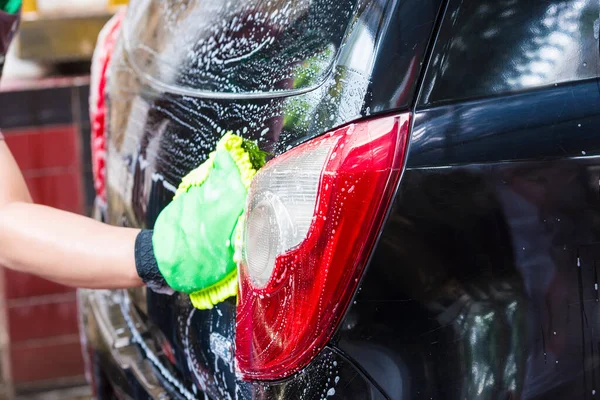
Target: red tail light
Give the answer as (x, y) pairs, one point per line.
(313, 216)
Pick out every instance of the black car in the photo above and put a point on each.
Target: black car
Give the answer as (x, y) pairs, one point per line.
(428, 226)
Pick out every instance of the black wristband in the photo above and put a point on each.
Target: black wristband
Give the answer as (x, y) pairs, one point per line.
(146, 266)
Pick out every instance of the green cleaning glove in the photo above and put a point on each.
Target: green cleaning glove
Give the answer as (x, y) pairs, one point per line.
(192, 245)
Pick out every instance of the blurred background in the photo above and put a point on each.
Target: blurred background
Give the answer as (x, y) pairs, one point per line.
(44, 115)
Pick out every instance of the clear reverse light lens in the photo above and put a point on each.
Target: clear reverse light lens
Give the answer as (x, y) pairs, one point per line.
(281, 206)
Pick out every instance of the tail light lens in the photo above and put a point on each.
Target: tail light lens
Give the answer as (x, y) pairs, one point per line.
(313, 216)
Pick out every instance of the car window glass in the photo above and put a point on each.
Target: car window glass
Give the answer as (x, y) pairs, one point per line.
(236, 46)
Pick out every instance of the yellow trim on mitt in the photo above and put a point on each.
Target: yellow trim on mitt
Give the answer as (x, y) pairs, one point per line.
(205, 299)
(233, 145)
(196, 177)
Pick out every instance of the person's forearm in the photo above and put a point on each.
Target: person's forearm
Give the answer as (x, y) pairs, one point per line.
(57, 245)
(67, 248)
(12, 184)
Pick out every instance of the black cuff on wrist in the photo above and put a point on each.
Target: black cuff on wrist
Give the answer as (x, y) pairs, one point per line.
(146, 266)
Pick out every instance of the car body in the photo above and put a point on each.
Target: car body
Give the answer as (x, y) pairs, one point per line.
(480, 279)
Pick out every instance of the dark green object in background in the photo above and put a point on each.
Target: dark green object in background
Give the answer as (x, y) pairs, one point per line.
(10, 6)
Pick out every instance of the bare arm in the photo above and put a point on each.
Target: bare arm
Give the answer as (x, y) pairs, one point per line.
(57, 245)
(12, 184)
(67, 248)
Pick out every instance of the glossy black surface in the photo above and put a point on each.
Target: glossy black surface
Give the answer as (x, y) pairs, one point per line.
(156, 137)
(488, 47)
(329, 376)
(485, 284)
(554, 122)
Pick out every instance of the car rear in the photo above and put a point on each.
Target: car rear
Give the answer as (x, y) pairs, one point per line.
(379, 259)
(321, 86)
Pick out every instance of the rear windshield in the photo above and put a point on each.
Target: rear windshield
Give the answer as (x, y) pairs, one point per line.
(236, 46)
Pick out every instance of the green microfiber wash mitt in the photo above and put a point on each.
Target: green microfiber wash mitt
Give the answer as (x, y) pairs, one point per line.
(194, 237)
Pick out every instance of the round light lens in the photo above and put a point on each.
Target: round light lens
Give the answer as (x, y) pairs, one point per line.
(280, 210)
(267, 228)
